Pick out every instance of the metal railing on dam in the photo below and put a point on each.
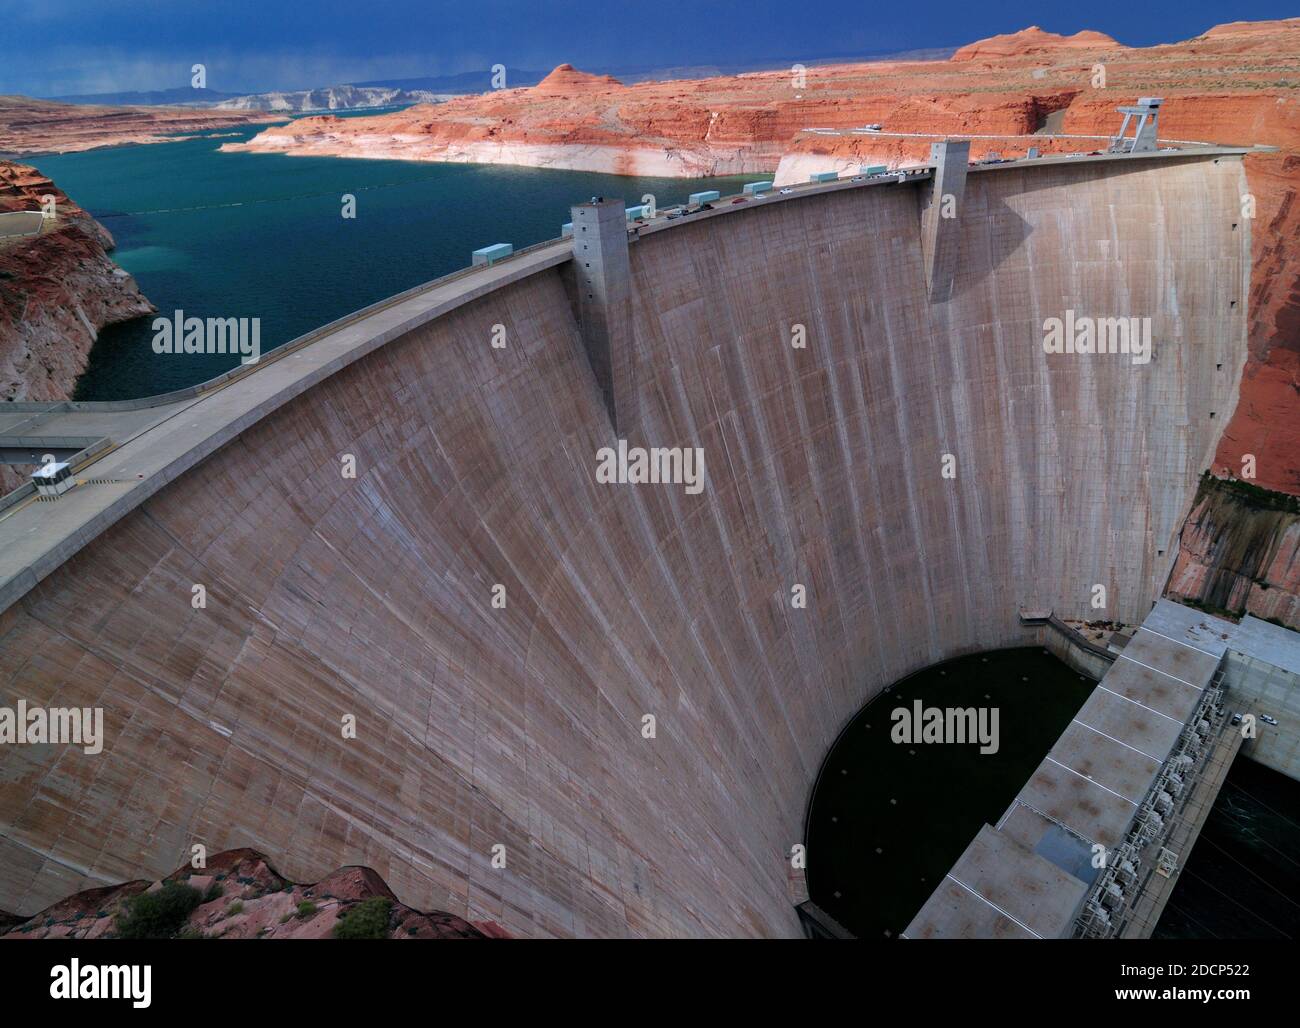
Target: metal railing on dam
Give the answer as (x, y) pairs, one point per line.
(228, 594)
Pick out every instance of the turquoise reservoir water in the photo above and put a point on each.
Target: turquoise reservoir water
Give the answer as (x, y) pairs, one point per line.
(262, 236)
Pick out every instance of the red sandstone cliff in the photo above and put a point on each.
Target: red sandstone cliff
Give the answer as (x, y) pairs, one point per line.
(1239, 553)
(246, 898)
(57, 290)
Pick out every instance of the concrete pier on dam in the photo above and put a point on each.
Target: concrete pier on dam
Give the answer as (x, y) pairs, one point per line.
(481, 726)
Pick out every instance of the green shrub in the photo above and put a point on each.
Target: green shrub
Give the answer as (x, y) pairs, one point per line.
(235, 908)
(306, 908)
(367, 920)
(215, 891)
(157, 915)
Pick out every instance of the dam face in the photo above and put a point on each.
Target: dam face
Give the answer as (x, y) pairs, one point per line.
(521, 726)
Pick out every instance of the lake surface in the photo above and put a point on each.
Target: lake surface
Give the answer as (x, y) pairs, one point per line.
(263, 236)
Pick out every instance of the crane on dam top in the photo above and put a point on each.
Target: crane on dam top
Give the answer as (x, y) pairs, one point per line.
(1143, 140)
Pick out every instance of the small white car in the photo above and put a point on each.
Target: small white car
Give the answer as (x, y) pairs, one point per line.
(787, 191)
(1268, 720)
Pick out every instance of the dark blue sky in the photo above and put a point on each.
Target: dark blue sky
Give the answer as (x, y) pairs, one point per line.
(53, 47)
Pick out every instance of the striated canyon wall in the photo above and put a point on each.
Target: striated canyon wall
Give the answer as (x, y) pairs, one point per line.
(58, 289)
(521, 726)
(1239, 553)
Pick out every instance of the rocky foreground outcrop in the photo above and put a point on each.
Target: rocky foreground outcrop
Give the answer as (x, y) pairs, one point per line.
(58, 289)
(28, 125)
(243, 897)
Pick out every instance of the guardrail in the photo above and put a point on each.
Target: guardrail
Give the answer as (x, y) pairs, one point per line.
(17, 224)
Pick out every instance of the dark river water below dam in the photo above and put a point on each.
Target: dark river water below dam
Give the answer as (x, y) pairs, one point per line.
(889, 819)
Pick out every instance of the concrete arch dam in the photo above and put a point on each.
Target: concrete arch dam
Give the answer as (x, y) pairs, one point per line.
(521, 727)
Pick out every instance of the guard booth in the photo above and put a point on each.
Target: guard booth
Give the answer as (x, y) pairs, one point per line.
(54, 478)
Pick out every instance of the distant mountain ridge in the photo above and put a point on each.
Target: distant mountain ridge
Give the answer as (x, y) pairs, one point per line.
(182, 96)
(332, 98)
(288, 101)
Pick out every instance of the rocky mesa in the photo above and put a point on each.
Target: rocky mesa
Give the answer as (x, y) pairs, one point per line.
(29, 126)
(1034, 40)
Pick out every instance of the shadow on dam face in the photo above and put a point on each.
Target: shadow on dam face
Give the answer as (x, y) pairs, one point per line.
(518, 730)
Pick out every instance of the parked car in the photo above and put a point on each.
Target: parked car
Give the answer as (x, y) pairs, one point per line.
(1268, 720)
(786, 191)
